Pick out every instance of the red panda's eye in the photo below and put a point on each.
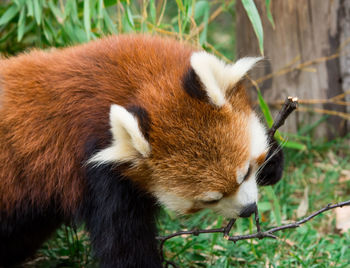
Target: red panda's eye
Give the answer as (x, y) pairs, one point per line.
(210, 202)
(246, 176)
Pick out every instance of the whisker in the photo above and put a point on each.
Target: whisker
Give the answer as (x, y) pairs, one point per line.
(279, 148)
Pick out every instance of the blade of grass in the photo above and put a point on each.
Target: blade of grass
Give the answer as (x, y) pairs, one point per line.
(21, 24)
(109, 23)
(30, 8)
(276, 206)
(37, 12)
(9, 14)
(87, 22)
(152, 11)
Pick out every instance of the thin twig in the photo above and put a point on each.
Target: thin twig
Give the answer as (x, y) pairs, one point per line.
(259, 234)
(288, 107)
(296, 224)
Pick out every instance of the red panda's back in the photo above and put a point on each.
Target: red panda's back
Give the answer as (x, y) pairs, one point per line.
(53, 102)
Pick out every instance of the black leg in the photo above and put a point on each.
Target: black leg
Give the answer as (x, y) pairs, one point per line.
(23, 231)
(120, 219)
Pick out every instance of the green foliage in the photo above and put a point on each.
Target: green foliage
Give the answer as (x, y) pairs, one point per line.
(41, 23)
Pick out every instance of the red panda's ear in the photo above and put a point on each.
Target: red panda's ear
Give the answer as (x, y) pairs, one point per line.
(128, 141)
(217, 76)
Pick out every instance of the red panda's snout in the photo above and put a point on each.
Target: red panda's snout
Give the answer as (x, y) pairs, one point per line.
(204, 142)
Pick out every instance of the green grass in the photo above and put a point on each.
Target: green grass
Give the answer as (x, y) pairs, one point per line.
(315, 244)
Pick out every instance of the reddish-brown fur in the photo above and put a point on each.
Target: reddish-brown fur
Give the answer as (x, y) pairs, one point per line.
(53, 101)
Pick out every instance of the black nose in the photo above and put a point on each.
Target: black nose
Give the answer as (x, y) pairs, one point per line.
(248, 210)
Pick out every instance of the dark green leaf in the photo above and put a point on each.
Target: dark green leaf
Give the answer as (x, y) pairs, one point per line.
(47, 32)
(109, 2)
(10, 33)
(9, 14)
(30, 8)
(180, 5)
(56, 11)
(21, 24)
(109, 23)
(255, 20)
(37, 12)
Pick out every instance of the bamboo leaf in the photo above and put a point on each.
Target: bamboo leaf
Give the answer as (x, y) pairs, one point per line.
(37, 11)
(9, 14)
(50, 26)
(180, 5)
(87, 23)
(30, 8)
(129, 17)
(269, 14)
(100, 9)
(47, 33)
(109, 23)
(255, 20)
(152, 11)
(294, 145)
(203, 35)
(200, 9)
(265, 109)
(110, 2)
(56, 11)
(21, 24)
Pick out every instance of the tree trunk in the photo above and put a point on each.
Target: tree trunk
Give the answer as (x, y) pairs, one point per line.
(305, 30)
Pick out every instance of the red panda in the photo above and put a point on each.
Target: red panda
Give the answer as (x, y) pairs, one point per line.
(105, 132)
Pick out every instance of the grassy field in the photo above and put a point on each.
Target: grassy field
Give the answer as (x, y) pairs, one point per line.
(322, 174)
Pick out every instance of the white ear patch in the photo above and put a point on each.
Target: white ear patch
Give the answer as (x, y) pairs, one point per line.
(128, 141)
(209, 68)
(217, 76)
(235, 72)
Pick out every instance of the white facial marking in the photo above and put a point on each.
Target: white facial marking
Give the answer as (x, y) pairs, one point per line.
(248, 190)
(217, 76)
(232, 206)
(128, 141)
(210, 196)
(242, 172)
(172, 201)
(258, 137)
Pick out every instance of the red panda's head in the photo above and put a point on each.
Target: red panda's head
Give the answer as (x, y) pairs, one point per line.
(194, 141)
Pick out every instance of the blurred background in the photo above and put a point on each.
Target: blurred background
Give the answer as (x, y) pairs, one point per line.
(306, 47)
